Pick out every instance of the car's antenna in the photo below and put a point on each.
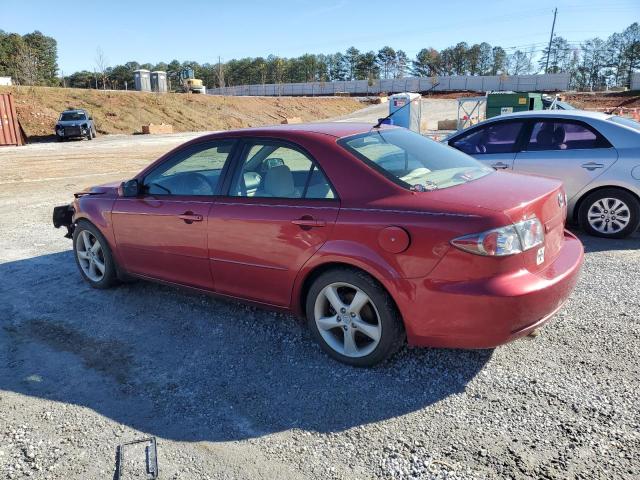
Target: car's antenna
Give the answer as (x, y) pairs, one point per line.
(381, 120)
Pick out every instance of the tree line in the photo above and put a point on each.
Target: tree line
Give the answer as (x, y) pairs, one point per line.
(29, 59)
(593, 64)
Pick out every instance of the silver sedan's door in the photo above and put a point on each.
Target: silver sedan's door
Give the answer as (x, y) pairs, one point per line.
(570, 151)
(499, 161)
(493, 144)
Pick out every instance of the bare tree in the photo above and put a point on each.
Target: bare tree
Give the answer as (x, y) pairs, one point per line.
(27, 66)
(102, 66)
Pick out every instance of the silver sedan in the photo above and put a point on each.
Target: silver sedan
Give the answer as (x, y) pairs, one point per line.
(597, 156)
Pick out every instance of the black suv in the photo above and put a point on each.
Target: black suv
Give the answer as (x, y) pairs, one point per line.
(75, 124)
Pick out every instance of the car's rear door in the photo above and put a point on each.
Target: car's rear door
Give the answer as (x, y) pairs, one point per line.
(279, 210)
(162, 233)
(494, 144)
(569, 150)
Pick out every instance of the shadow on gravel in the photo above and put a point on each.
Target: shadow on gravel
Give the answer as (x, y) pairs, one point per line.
(190, 367)
(597, 244)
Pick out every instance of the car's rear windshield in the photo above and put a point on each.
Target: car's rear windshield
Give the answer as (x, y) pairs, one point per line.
(412, 160)
(70, 116)
(627, 122)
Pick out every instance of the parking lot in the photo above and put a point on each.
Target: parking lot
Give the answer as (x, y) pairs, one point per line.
(232, 391)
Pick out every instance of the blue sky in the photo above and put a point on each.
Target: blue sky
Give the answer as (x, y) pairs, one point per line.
(152, 31)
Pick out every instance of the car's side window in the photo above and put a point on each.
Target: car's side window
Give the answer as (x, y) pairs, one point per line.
(273, 169)
(194, 171)
(500, 137)
(562, 135)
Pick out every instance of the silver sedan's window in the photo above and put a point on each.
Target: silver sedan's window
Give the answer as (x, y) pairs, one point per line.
(499, 137)
(563, 135)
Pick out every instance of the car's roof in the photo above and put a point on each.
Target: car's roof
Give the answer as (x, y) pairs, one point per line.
(334, 129)
(576, 114)
(75, 110)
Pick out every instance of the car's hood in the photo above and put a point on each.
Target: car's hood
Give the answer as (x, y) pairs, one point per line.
(105, 188)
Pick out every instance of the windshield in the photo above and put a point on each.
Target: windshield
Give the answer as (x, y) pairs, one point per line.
(414, 161)
(627, 122)
(71, 116)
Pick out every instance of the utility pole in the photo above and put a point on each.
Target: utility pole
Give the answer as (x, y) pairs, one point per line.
(553, 26)
(220, 74)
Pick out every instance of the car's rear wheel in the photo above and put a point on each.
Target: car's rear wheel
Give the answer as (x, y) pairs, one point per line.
(93, 256)
(610, 213)
(353, 318)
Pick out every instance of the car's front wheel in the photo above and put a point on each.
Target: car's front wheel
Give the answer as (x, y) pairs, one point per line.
(93, 256)
(610, 213)
(353, 318)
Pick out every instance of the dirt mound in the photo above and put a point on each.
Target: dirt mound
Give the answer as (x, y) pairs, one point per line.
(599, 101)
(125, 112)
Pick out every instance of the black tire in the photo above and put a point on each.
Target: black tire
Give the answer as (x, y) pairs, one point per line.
(392, 335)
(110, 275)
(93, 133)
(632, 213)
(89, 136)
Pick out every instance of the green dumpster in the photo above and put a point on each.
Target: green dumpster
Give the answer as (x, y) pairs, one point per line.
(508, 102)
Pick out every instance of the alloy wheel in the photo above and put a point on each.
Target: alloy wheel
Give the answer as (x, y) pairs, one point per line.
(90, 256)
(609, 215)
(347, 320)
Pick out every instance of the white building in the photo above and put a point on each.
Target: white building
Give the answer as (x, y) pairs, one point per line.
(5, 81)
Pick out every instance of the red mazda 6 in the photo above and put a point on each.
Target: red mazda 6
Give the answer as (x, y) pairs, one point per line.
(374, 234)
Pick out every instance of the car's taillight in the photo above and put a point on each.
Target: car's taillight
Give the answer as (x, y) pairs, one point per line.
(503, 241)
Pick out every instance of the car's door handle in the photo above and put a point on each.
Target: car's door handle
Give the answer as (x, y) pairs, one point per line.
(307, 222)
(592, 165)
(500, 165)
(190, 217)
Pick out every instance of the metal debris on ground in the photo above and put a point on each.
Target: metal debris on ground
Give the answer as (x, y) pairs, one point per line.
(151, 459)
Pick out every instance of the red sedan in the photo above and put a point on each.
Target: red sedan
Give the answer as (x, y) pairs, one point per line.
(374, 234)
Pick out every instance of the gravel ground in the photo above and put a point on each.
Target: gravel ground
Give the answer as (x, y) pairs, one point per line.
(236, 392)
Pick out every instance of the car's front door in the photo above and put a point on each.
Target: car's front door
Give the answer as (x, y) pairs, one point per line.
(569, 150)
(279, 210)
(493, 144)
(162, 233)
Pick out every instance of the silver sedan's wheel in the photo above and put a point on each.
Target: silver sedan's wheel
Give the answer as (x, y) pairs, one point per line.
(347, 320)
(90, 256)
(609, 215)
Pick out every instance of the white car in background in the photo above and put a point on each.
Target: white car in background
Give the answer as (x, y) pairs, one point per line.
(596, 155)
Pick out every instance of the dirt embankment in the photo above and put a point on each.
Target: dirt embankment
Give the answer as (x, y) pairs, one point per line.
(125, 112)
(598, 100)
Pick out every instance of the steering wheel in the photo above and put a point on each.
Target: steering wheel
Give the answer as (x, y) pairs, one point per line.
(193, 183)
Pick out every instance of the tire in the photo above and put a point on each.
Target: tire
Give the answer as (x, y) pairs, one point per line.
(89, 136)
(341, 332)
(609, 213)
(96, 278)
(93, 134)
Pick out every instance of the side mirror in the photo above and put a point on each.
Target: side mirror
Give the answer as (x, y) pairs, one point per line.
(130, 188)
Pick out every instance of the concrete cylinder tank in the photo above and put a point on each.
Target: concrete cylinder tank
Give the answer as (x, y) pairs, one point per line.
(159, 81)
(406, 109)
(142, 80)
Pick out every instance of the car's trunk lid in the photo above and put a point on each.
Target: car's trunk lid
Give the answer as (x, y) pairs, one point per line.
(519, 197)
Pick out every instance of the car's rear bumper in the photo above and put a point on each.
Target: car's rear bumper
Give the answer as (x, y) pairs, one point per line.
(491, 312)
